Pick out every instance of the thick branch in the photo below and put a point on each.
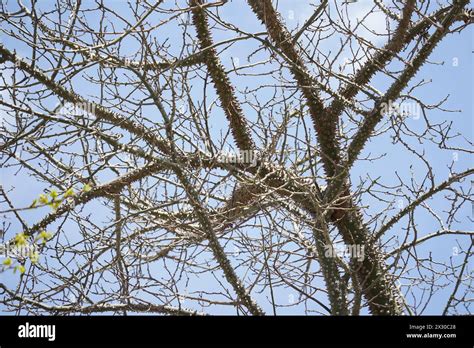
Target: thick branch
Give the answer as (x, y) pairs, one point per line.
(230, 104)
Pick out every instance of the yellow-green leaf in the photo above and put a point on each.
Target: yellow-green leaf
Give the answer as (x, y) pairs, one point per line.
(45, 236)
(20, 239)
(55, 205)
(43, 198)
(69, 193)
(34, 256)
(20, 268)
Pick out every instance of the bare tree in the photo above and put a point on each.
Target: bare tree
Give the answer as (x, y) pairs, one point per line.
(153, 174)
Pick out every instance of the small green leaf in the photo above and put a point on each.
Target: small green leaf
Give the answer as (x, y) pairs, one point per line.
(43, 199)
(20, 239)
(45, 236)
(53, 194)
(55, 205)
(20, 268)
(69, 193)
(34, 256)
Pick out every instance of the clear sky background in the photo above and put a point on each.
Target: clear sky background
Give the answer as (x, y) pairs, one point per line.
(451, 75)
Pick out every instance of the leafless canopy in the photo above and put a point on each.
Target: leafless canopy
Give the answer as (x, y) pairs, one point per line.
(181, 158)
